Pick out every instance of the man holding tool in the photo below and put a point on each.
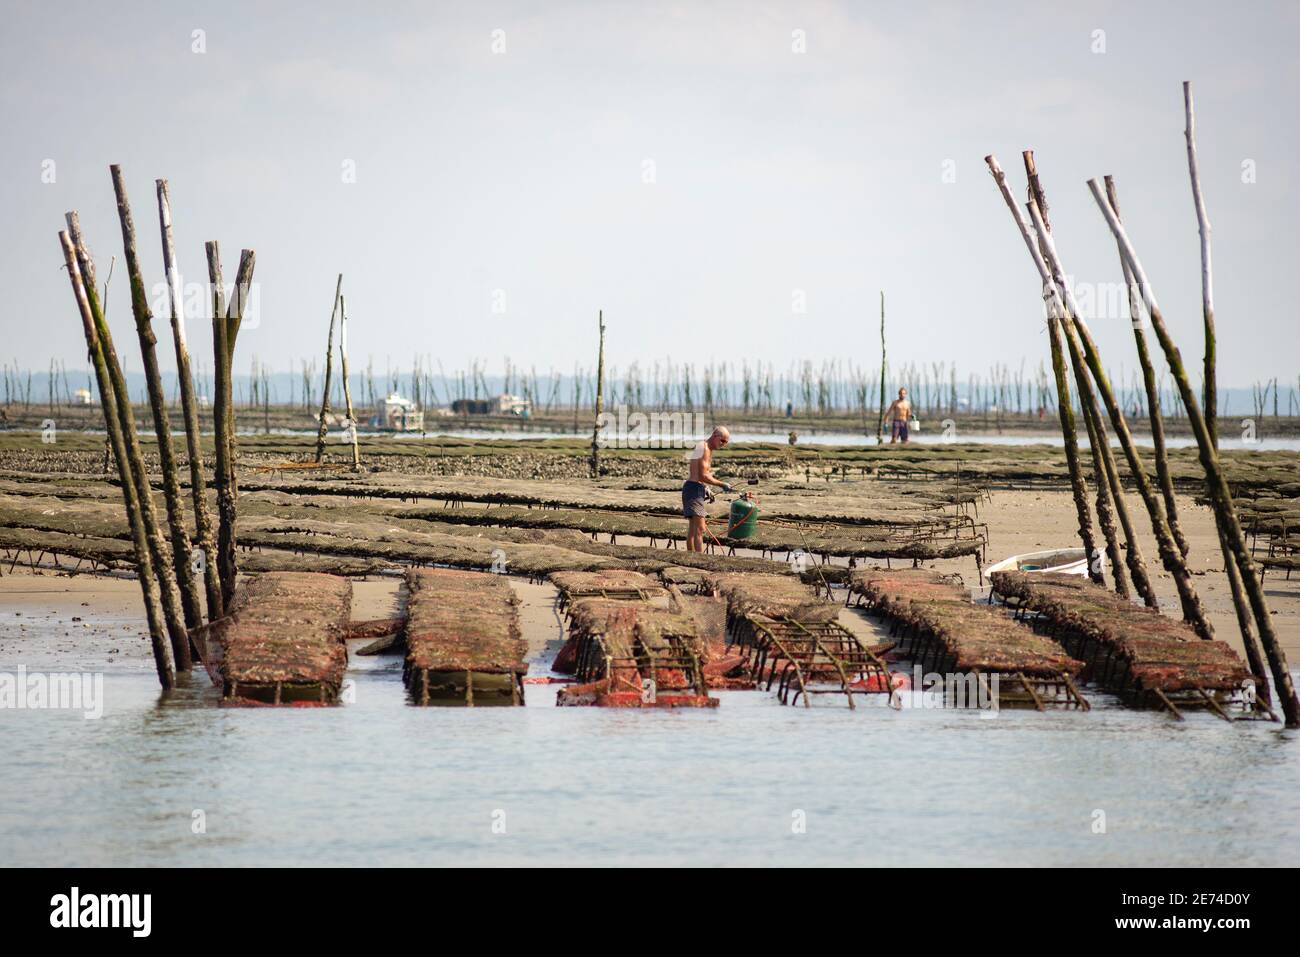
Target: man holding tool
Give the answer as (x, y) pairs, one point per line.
(695, 493)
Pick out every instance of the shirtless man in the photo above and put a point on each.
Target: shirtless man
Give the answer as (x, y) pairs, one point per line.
(695, 493)
(899, 413)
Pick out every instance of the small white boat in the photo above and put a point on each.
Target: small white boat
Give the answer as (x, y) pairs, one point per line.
(1060, 561)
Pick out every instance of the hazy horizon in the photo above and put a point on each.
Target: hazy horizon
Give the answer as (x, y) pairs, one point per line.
(488, 176)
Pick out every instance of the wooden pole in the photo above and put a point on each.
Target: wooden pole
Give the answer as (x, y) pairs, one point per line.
(347, 390)
(1152, 392)
(1064, 405)
(1110, 490)
(1240, 603)
(600, 397)
(1220, 493)
(193, 446)
(139, 538)
(158, 551)
(1211, 397)
(225, 556)
(225, 328)
(1172, 559)
(329, 368)
(191, 601)
(880, 426)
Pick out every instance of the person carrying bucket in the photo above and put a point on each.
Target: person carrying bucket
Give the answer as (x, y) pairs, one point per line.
(898, 414)
(695, 491)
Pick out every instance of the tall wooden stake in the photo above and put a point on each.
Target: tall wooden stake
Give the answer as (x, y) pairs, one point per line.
(225, 328)
(329, 369)
(600, 397)
(139, 538)
(880, 426)
(347, 389)
(1110, 490)
(1220, 493)
(1207, 285)
(159, 554)
(193, 446)
(1172, 559)
(1065, 408)
(191, 602)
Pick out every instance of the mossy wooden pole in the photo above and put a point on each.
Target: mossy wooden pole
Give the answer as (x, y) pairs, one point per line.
(1170, 556)
(1220, 494)
(223, 419)
(880, 425)
(159, 554)
(347, 389)
(1240, 603)
(1211, 397)
(1110, 490)
(139, 539)
(600, 397)
(1065, 408)
(329, 369)
(191, 601)
(193, 445)
(1152, 392)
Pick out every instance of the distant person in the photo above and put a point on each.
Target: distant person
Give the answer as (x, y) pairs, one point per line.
(898, 415)
(789, 410)
(695, 492)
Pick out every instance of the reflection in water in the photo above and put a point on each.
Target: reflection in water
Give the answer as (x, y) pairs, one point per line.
(379, 782)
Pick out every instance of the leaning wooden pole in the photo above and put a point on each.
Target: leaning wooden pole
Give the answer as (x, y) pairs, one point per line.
(347, 389)
(1110, 490)
(600, 397)
(193, 443)
(329, 368)
(1152, 391)
(1172, 559)
(191, 600)
(1065, 408)
(1211, 397)
(1220, 494)
(159, 553)
(139, 538)
(1240, 603)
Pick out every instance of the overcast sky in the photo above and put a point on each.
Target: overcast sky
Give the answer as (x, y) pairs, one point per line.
(517, 166)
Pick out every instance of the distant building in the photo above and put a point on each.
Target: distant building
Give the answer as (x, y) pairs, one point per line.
(504, 404)
(396, 414)
(82, 397)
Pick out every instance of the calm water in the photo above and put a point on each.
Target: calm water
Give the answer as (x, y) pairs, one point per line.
(380, 782)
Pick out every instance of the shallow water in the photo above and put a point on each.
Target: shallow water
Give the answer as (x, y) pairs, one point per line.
(381, 782)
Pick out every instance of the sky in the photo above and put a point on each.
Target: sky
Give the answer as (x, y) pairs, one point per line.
(727, 181)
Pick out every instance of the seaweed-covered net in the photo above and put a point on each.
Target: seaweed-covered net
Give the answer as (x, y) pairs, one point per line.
(462, 621)
(287, 627)
(1161, 652)
(977, 636)
(772, 596)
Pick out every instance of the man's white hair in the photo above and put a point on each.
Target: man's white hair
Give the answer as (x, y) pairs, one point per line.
(722, 432)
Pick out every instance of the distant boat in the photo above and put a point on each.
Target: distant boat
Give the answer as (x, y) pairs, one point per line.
(1060, 561)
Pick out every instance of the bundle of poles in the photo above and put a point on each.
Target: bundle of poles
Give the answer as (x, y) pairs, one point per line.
(181, 567)
(1068, 335)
